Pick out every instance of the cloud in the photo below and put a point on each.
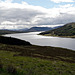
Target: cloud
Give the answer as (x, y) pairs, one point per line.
(8, 1)
(66, 6)
(23, 15)
(59, 1)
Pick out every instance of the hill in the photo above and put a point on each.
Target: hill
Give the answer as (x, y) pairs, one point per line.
(34, 29)
(25, 30)
(67, 30)
(2, 32)
(29, 59)
(13, 41)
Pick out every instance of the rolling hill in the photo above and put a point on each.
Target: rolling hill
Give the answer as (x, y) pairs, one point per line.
(25, 30)
(3, 32)
(34, 29)
(68, 30)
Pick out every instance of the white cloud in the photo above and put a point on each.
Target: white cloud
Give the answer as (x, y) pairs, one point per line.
(16, 15)
(59, 1)
(66, 6)
(7, 22)
(13, 26)
(50, 25)
(8, 1)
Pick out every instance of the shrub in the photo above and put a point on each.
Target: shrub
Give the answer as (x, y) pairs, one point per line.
(11, 69)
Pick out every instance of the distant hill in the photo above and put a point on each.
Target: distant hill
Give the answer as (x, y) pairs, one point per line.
(21, 30)
(68, 30)
(2, 32)
(25, 30)
(34, 29)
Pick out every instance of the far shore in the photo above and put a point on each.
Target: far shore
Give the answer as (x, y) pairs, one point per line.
(57, 36)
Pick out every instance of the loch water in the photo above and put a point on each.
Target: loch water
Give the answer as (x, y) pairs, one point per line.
(35, 39)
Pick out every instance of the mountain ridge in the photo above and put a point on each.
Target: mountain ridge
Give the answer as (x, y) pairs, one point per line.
(34, 29)
(68, 30)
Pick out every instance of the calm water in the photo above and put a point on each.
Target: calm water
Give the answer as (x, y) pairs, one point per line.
(35, 39)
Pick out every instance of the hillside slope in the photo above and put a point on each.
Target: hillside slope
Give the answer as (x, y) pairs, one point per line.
(13, 41)
(67, 30)
(34, 60)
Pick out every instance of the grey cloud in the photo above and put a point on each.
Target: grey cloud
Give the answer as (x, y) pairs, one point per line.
(61, 19)
(18, 14)
(27, 15)
(65, 18)
(33, 17)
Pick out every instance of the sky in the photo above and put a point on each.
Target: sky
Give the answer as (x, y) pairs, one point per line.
(18, 14)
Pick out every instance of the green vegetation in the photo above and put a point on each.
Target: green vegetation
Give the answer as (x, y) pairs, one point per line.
(19, 65)
(51, 53)
(67, 30)
(34, 60)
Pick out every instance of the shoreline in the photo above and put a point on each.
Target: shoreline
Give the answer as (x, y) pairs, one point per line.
(40, 42)
(57, 36)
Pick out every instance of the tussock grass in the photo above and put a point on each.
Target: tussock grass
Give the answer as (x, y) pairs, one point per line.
(43, 52)
(20, 65)
(36, 60)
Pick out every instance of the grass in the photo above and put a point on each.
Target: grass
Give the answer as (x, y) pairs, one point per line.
(34, 66)
(43, 52)
(36, 60)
